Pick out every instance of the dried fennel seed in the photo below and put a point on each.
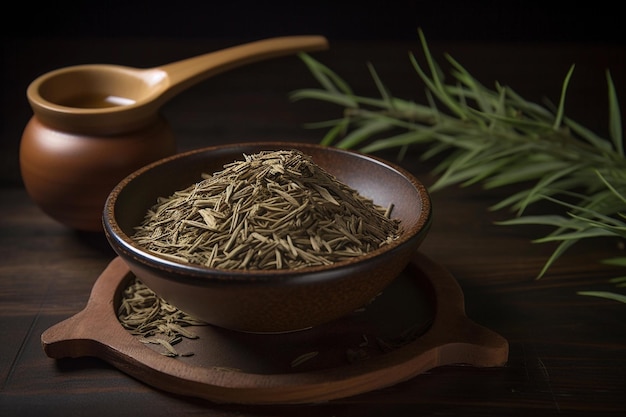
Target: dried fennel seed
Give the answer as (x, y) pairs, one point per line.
(155, 321)
(272, 210)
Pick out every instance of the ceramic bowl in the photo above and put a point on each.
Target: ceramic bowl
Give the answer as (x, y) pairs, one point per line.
(269, 300)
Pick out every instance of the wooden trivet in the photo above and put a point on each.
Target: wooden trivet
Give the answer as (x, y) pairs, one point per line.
(416, 324)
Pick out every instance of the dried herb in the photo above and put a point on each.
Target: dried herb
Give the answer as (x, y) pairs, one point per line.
(271, 210)
(303, 358)
(154, 320)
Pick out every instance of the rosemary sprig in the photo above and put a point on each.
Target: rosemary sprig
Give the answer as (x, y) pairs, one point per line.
(498, 139)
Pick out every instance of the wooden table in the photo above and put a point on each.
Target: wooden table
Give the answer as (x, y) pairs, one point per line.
(567, 352)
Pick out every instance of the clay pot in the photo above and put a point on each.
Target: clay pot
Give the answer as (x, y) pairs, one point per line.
(69, 175)
(95, 124)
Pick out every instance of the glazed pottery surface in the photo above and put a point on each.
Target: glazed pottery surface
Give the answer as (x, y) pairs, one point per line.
(69, 175)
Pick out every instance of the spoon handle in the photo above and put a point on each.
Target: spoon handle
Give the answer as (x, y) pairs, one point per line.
(185, 73)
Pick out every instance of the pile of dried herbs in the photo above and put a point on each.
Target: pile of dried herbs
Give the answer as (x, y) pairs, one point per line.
(271, 210)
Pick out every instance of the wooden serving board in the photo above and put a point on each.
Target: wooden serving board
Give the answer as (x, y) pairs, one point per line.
(416, 324)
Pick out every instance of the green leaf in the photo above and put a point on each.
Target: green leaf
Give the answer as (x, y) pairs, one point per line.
(611, 187)
(588, 135)
(577, 235)
(324, 124)
(525, 172)
(619, 281)
(435, 84)
(620, 261)
(325, 76)
(545, 181)
(386, 96)
(560, 250)
(362, 133)
(478, 92)
(561, 109)
(605, 294)
(512, 201)
(615, 123)
(518, 103)
(330, 97)
(333, 133)
(451, 175)
(546, 220)
(606, 222)
(516, 122)
(435, 149)
(400, 140)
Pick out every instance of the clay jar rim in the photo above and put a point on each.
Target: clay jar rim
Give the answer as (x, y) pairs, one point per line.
(204, 276)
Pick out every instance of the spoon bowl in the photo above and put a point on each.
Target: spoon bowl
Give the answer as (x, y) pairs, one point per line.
(102, 99)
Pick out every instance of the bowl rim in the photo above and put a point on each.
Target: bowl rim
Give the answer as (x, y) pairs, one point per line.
(120, 241)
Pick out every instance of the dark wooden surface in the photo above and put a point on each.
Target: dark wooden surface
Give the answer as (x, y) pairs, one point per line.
(567, 352)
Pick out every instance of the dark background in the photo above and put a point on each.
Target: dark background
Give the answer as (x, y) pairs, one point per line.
(39, 37)
(494, 20)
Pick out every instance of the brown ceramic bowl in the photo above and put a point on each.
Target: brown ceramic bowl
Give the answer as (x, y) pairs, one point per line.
(276, 300)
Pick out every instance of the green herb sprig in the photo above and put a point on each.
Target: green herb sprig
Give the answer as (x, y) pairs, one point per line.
(496, 138)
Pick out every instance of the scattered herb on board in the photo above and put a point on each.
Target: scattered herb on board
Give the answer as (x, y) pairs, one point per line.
(495, 138)
(271, 210)
(153, 319)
